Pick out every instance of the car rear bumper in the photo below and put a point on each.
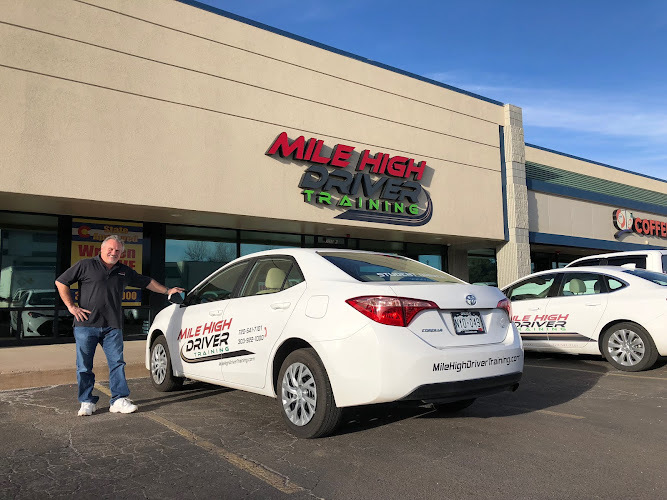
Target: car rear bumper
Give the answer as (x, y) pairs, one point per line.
(383, 364)
(464, 389)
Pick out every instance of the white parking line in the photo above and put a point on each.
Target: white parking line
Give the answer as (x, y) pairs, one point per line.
(616, 374)
(262, 473)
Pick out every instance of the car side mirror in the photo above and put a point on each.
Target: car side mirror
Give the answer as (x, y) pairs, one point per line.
(176, 298)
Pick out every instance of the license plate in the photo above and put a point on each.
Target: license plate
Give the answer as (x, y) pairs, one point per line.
(467, 323)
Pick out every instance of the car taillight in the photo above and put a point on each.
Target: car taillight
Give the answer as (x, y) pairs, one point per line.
(395, 311)
(506, 305)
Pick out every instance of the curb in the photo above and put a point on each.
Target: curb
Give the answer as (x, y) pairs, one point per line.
(32, 379)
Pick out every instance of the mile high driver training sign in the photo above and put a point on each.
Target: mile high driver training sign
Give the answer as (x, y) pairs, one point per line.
(342, 178)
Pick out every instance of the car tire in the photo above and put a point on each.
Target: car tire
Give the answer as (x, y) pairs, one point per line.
(301, 376)
(628, 347)
(162, 376)
(453, 406)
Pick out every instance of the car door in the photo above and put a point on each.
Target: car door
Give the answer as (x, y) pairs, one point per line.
(265, 303)
(200, 326)
(576, 309)
(530, 298)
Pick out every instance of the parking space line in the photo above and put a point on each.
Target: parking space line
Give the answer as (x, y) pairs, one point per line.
(616, 374)
(262, 473)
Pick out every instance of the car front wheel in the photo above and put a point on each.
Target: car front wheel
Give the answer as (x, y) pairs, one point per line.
(628, 347)
(162, 377)
(305, 396)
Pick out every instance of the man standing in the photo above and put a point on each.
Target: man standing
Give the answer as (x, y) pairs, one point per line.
(98, 319)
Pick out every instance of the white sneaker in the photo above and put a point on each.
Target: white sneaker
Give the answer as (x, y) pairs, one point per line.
(123, 405)
(87, 409)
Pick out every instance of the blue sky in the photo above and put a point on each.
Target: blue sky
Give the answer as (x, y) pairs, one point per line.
(590, 76)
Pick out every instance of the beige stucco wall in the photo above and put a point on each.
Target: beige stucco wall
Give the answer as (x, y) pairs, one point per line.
(553, 214)
(153, 109)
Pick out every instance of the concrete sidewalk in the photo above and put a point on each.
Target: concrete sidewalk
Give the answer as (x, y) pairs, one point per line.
(44, 365)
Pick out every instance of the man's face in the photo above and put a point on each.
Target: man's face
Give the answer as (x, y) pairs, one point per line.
(111, 251)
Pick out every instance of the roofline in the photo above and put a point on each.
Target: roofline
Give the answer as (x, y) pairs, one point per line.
(594, 162)
(287, 34)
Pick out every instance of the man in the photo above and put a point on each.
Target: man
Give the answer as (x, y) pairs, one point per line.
(98, 319)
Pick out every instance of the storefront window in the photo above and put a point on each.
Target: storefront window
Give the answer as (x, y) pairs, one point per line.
(252, 241)
(193, 253)
(28, 246)
(482, 267)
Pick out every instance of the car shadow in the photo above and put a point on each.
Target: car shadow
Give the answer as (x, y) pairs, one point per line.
(190, 391)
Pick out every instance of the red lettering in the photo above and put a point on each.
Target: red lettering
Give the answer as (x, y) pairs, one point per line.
(646, 227)
(341, 155)
(396, 166)
(526, 318)
(663, 233)
(638, 225)
(198, 331)
(227, 324)
(316, 158)
(418, 170)
(283, 147)
(562, 317)
(309, 149)
(366, 159)
(208, 328)
(87, 250)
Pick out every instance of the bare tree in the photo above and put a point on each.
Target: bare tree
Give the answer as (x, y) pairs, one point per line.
(197, 251)
(224, 252)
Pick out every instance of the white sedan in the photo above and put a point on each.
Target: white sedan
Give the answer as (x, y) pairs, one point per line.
(321, 330)
(616, 311)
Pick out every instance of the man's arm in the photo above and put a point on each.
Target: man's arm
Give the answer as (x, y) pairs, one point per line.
(79, 313)
(154, 286)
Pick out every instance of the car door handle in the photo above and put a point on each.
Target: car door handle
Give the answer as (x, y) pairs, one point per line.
(593, 304)
(216, 313)
(534, 308)
(280, 305)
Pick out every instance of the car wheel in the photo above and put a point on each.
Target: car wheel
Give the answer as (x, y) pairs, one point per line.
(628, 347)
(305, 397)
(453, 406)
(162, 377)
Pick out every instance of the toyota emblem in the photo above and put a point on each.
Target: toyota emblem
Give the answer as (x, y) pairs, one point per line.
(471, 300)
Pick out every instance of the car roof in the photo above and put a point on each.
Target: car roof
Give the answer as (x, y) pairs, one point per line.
(617, 271)
(622, 254)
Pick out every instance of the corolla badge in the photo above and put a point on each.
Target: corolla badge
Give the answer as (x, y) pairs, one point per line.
(471, 300)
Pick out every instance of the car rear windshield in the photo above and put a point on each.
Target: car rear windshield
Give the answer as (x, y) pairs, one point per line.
(385, 267)
(658, 278)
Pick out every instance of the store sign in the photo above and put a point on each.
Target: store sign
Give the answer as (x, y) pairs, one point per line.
(626, 222)
(87, 238)
(371, 187)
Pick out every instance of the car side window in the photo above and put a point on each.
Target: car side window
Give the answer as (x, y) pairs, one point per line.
(614, 284)
(638, 260)
(582, 284)
(219, 287)
(536, 287)
(271, 275)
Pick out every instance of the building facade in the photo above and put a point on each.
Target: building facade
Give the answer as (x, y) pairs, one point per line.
(200, 136)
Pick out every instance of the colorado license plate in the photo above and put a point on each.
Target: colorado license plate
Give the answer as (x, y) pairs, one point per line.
(467, 322)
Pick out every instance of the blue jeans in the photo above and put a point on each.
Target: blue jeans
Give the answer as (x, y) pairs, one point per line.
(111, 340)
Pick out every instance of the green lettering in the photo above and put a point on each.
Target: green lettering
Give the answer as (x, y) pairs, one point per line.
(373, 204)
(414, 209)
(324, 197)
(345, 202)
(307, 194)
(398, 207)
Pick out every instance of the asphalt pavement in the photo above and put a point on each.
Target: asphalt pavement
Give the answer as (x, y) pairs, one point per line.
(576, 428)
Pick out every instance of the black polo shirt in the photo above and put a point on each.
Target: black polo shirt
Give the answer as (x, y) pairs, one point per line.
(101, 290)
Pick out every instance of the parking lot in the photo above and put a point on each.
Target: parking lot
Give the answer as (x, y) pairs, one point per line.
(576, 428)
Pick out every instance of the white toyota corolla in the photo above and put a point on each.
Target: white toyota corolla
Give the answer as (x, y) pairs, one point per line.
(325, 329)
(619, 312)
